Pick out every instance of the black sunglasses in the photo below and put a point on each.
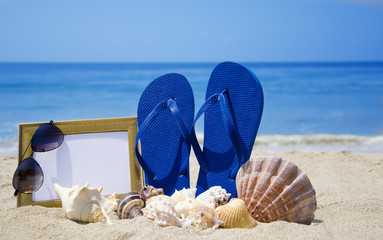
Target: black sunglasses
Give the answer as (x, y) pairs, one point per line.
(29, 176)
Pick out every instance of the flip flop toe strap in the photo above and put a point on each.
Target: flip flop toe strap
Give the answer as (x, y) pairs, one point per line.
(227, 118)
(171, 104)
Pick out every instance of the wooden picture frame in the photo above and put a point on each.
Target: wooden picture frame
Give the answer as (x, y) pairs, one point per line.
(101, 150)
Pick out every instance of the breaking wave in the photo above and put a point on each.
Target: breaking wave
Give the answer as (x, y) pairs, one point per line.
(317, 143)
(280, 143)
(320, 143)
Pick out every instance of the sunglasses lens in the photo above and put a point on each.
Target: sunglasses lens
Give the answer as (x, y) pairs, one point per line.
(28, 177)
(47, 137)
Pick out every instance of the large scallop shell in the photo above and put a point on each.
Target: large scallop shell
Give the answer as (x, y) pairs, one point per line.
(275, 189)
(235, 215)
(130, 205)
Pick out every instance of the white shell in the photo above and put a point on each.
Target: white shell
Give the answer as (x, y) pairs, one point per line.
(214, 196)
(203, 217)
(81, 203)
(161, 209)
(184, 207)
(183, 194)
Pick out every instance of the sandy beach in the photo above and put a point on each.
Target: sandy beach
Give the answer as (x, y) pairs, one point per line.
(349, 190)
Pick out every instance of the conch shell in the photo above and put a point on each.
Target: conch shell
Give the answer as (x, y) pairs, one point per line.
(184, 208)
(235, 215)
(214, 196)
(85, 204)
(184, 194)
(275, 189)
(203, 217)
(161, 209)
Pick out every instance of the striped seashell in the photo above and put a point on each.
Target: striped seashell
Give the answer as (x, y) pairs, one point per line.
(129, 205)
(235, 215)
(275, 189)
(149, 191)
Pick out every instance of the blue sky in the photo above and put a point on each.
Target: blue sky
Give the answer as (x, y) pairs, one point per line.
(191, 31)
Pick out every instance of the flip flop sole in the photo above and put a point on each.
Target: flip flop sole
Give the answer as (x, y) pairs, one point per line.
(245, 97)
(162, 145)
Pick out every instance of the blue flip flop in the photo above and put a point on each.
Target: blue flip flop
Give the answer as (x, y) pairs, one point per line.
(233, 111)
(165, 115)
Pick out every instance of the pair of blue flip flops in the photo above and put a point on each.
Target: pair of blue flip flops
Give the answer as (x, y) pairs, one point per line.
(232, 114)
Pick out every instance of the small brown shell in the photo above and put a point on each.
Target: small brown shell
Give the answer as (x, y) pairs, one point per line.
(149, 191)
(276, 189)
(235, 215)
(129, 205)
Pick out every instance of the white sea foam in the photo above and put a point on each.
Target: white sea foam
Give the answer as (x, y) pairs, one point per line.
(317, 143)
(8, 147)
(320, 143)
(280, 143)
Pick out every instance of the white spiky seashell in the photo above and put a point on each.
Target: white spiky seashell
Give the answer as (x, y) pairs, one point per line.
(161, 209)
(184, 194)
(85, 204)
(203, 217)
(235, 215)
(214, 196)
(183, 208)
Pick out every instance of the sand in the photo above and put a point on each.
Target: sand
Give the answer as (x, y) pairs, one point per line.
(349, 188)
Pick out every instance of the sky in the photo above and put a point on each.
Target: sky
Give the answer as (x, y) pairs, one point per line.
(191, 31)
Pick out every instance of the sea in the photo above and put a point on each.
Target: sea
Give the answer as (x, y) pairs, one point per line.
(320, 107)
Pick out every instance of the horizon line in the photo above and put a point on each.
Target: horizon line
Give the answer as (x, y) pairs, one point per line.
(194, 62)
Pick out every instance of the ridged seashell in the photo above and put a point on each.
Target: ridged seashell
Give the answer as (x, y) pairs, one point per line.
(149, 191)
(85, 204)
(161, 209)
(235, 215)
(184, 194)
(129, 205)
(214, 196)
(203, 217)
(276, 189)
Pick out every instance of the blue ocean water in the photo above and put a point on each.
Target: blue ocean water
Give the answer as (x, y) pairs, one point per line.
(315, 102)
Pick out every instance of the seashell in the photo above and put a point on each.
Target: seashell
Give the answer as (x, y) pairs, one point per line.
(149, 191)
(92, 212)
(84, 204)
(129, 205)
(276, 189)
(161, 209)
(235, 215)
(214, 196)
(203, 217)
(184, 194)
(183, 208)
